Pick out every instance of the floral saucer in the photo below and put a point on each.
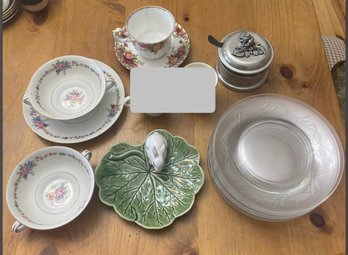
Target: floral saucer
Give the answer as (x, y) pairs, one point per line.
(83, 128)
(129, 57)
(129, 183)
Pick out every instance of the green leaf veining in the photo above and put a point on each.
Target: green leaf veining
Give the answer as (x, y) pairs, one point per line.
(128, 182)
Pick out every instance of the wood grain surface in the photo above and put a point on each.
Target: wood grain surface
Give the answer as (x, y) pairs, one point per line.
(331, 15)
(212, 226)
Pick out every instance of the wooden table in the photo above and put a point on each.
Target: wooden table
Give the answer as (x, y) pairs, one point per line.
(212, 226)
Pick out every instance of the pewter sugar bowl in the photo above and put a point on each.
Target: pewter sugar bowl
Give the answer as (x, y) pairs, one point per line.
(244, 59)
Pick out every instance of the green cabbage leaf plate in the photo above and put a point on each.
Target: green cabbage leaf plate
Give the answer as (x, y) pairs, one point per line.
(127, 181)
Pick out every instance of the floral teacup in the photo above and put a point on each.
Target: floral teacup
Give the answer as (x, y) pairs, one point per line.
(50, 188)
(150, 29)
(67, 87)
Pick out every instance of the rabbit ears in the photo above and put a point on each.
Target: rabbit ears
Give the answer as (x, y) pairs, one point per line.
(159, 151)
(162, 149)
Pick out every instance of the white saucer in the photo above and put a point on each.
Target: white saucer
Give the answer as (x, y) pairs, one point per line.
(129, 57)
(86, 127)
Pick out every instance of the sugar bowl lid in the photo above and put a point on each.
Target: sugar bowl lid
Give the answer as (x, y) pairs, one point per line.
(245, 52)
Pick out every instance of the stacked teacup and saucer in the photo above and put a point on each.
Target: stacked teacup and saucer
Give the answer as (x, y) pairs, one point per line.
(72, 99)
(151, 38)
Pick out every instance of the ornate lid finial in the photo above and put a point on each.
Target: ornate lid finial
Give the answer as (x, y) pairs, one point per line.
(247, 46)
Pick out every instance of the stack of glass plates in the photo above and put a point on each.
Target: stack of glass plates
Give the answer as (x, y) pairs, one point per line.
(10, 9)
(275, 158)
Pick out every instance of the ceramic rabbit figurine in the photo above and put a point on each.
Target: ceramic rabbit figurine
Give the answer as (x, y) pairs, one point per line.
(156, 150)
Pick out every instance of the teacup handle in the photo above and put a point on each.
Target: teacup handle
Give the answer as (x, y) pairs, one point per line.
(18, 227)
(87, 154)
(26, 99)
(126, 101)
(110, 82)
(117, 32)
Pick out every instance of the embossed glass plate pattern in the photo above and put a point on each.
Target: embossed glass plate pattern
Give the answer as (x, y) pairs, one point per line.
(274, 157)
(151, 199)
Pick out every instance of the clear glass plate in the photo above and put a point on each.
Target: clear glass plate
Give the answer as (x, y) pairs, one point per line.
(275, 156)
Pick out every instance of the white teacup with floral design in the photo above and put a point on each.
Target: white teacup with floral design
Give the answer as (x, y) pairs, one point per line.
(67, 87)
(150, 29)
(49, 188)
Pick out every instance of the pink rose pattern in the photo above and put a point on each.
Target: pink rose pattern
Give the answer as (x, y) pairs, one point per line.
(130, 59)
(153, 48)
(176, 57)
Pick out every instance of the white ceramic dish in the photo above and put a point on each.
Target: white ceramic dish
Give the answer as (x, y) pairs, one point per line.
(50, 188)
(275, 157)
(201, 64)
(84, 128)
(128, 55)
(67, 87)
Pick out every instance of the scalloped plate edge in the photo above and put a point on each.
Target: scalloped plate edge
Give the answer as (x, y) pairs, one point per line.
(184, 212)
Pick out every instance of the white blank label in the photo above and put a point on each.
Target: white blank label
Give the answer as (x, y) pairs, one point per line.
(172, 90)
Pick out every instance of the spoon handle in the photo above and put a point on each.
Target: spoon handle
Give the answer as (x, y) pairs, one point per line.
(214, 41)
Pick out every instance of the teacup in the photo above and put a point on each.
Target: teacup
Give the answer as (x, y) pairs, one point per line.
(49, 188)
(67, 87)
(201, 64)
(150, 29)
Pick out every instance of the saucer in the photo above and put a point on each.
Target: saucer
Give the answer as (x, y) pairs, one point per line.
(129, 57)
(83, 128)
(138, 193)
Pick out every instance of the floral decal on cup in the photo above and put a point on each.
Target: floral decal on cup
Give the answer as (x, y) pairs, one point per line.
(74, 98)
(28, 168)
(57, 193)
(153, 48)
(61, 66)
